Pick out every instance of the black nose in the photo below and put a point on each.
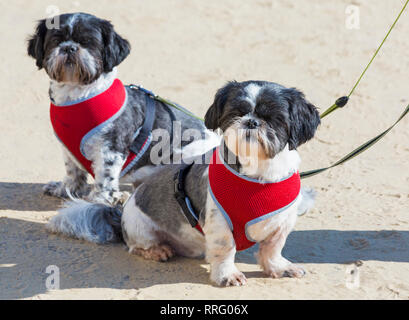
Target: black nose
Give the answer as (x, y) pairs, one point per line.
(69, 48)
(252, 123)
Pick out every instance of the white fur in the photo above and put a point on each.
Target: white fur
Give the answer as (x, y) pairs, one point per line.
(140, 229)
(71, 21)
(220, 247)
(62, 93)
(140, 174)
(252, 90)
(102, 186)
(281, 166)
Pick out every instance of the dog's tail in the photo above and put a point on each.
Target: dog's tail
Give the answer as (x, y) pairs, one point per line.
(94, 222)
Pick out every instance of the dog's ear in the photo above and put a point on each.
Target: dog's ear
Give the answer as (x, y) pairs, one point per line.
(213, 115)
(304, 118)
(116, 48)
(35, 46)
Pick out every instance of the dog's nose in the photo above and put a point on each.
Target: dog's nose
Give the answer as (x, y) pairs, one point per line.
(69, 48)
(252, 123)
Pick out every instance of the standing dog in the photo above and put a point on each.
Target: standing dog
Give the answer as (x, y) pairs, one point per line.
(80, 57)
(226, 205)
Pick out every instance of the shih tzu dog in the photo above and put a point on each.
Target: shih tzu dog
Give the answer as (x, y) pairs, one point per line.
(247, 191)
(95, 117)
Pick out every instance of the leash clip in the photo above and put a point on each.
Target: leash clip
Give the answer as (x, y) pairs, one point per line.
(139, 87)
(341, 102)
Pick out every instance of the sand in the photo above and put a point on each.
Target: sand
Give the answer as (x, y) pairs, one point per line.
(185, 50)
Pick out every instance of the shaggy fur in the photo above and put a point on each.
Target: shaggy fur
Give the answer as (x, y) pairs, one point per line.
(80, 57)
(275, 119)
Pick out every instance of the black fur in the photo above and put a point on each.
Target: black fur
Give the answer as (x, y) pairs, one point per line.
(304, 118)
(285, 113)
(107, 48)
(116, 49)
(214, 113)
(35, 47)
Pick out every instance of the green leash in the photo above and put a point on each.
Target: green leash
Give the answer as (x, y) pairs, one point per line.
(344, 100)
(355, 152)
(339, 103)
(176, 106)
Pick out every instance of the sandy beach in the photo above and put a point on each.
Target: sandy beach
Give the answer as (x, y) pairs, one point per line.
(185, 50)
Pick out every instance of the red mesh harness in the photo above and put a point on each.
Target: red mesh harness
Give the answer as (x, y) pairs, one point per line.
(75, 123)
(245, 201)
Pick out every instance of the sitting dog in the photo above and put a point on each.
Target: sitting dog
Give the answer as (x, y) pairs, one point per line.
(98, 120)
(243, 195)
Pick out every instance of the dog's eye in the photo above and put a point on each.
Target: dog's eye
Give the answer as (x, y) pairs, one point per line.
(84, 41)
(267, 110)
(263, 111)
(243, 108)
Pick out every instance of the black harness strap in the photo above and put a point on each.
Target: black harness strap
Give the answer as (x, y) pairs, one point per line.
(181, 196)
(150, 113)
(147, 126)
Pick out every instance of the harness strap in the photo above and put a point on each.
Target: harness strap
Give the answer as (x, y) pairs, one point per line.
(182, 198)
(150, 117)
(147, 126)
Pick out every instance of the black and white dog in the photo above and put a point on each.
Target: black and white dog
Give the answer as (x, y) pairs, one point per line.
(80, 57)
(152, 223)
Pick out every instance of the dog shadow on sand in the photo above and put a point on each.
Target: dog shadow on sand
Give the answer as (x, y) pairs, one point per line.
(27, 249)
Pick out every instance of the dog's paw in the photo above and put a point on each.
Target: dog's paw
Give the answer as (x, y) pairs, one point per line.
(227, 275)
(234, 279)
(160, 253)
(59, 190)
(111, 198)
(291, 271)
(121, 198)
(55, 189)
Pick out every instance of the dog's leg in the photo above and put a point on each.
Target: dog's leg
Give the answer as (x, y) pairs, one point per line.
(221, 249)
(107, 165)
(140, 234)
(270, 258)
(75, 181)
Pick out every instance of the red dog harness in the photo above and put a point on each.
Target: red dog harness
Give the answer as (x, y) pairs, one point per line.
(76, 122)
(245, 201)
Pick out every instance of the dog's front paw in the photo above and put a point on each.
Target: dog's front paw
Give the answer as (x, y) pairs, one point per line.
(112, 198)
(121, 198)
(55, 189)
(59, 190)
(234, 279)
(291, 271)
(225, 278)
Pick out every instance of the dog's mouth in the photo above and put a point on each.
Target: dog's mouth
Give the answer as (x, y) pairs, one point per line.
(248, 135)
(70, 60)
(247, 143)
(68, 70)
(72, 68)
